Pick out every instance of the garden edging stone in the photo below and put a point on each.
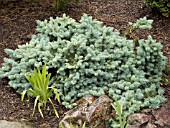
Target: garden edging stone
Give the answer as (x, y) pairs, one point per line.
(8, 124)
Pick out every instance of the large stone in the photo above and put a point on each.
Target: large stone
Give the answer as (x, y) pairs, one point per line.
(133, 126)
(151, 118)
(137, 119)
(93, 112)
(8, 124)
(150, 125)
(162, 115)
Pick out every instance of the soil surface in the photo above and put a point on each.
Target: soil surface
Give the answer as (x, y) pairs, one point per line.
(18, 22)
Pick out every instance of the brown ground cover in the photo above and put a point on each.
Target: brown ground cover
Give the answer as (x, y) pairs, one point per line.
(18, 22)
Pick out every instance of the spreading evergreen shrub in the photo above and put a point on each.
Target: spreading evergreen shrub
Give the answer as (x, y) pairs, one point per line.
(86, 57)
(161, 5)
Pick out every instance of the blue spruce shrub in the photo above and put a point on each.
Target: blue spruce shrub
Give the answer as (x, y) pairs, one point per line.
(88, 58)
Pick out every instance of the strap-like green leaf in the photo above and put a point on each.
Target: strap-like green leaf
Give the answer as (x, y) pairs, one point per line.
(23, 94)
(28, 91)
(37, 79)
(62, 126)
(39, 109)
(33, 81)
(50, 92)
(56, 95)
(39, 88)
(44, 73)
(120, 106)
(114, 106)
(35, 103)
(47, 81)
(55, 111)
(30, 80)
(71, 125)
(38, 92)
(40, 80)
(32, 92)
(124, 120)
(84, 125)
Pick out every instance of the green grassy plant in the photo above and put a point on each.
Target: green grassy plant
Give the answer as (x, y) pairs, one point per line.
(122, 119)
(41, 90)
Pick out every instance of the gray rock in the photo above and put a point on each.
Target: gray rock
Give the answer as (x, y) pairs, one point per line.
(150, 125)
(8, 124)
(93, 112)
(162, 115)
(151, 118)
(137, 119)
(133, 126)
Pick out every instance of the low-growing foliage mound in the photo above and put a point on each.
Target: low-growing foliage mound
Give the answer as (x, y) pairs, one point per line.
(162, 6)
(86, 57)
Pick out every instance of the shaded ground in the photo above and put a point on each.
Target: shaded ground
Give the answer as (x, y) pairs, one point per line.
(17, 24)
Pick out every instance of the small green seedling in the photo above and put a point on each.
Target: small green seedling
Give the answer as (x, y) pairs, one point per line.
(40, 90)
(122, 119)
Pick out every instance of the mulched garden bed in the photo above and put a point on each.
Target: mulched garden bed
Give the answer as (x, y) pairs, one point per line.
(18, 22)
